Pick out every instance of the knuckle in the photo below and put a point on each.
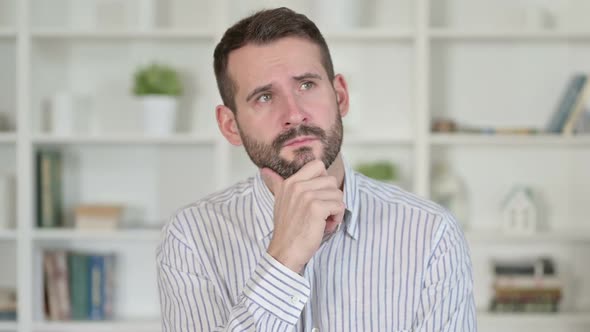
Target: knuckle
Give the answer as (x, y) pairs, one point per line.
(307, 196)
(333, 180)
(315, 206)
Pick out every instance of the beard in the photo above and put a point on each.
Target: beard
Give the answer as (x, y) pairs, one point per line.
(268, 155)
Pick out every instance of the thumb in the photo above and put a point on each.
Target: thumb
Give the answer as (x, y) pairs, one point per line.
(272, 179)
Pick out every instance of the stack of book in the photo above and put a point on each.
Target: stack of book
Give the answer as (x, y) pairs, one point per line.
(7, 304)
(78, 286)
(526, 286)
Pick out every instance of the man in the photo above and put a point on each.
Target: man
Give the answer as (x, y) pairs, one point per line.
(307, 244)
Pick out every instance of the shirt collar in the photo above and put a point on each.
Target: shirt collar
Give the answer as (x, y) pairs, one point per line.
(264, 204)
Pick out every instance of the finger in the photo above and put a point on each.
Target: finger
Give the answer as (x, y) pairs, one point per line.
(332, 222)
(319, 183)
(325, 209)
(310, 170)
(272, 179)
(326, 195)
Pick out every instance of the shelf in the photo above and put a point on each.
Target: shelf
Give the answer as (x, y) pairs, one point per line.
(121, 35)
(125, 139)
(561, 237)
(107, 326)
(106, 235)
(451, 34)
(9, 234)
(7, 33)
(8, 326)
(510, 140)
(369, 34)
(354, 139)
(7, 138)
(557, 319)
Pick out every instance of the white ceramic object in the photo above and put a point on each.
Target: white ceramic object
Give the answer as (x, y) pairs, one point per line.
(146, 15)
(159, 114)
(62, 114)
(337, 14)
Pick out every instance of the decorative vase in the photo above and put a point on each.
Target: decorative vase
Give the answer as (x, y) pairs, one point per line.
(338, 14)
(159, 114)
(62, 114)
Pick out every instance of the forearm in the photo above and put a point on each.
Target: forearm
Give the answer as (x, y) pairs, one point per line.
(272, 300)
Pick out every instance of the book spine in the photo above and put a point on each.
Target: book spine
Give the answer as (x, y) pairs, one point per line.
(566, 104)
(96, 287)
(578, 110)
(62, 285)
(79, 287)
(50, 268)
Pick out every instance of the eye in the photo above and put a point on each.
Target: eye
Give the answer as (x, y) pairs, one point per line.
(264, 98)
(307, 85)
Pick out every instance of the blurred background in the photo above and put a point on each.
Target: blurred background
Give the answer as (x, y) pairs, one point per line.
(107, 126)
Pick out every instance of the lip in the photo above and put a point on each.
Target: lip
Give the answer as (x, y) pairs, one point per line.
(300, 141)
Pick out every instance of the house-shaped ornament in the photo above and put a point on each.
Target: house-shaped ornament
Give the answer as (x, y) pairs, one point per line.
(519, 212)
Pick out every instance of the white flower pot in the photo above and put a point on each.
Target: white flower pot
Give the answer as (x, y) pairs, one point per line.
(159, 114)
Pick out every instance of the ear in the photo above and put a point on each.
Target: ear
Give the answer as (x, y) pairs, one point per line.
(341, 89)
(228, 124)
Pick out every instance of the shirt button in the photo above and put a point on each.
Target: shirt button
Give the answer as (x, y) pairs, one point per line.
(315, 329)
(294, 299)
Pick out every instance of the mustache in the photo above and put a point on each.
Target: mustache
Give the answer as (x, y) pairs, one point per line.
(292, 133)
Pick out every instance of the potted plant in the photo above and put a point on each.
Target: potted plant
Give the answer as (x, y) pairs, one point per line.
(379, 170)
(158, 87)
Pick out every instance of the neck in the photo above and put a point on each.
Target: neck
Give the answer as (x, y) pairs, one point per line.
(337, 170)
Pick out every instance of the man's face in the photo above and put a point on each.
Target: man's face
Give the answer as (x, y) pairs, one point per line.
(287, 108)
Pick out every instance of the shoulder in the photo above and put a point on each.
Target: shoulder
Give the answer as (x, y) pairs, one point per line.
(438, 219)
(199, 216)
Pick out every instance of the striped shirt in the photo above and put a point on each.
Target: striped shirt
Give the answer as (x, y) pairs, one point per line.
(399, 263)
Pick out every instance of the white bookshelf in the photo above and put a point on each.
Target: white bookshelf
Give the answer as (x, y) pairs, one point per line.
(64, 34)
(7, 235)
(7, 34)
(8, 326)
(566, 238)
(110, 326)
(471, 61)
(7, 138)
(555, 320)
(507, 35)
(136, 235)
(519, 141)
(125, 139)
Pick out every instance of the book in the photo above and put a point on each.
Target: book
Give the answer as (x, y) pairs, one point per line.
(7, 304)
(578, 109)
(536, 267)
(566, 104)
(56, 285)
(97, 217)
(49, 189)
(526, 282)
(78, 270)
(51, 292)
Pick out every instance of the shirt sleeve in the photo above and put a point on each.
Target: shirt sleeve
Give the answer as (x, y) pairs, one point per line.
(272, 300)
(446, 299)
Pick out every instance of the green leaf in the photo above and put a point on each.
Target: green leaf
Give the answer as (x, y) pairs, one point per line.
(157, 79)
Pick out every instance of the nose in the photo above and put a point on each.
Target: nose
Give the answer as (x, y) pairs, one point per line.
(293, 114)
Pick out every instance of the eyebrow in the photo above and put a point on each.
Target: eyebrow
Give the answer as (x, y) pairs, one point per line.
(267, 87)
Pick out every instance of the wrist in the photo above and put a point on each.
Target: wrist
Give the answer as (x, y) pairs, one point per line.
(285, 260)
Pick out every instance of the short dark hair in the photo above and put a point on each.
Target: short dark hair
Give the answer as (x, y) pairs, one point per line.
(262, 28)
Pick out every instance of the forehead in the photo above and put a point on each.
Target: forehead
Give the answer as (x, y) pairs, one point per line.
(253, 65)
